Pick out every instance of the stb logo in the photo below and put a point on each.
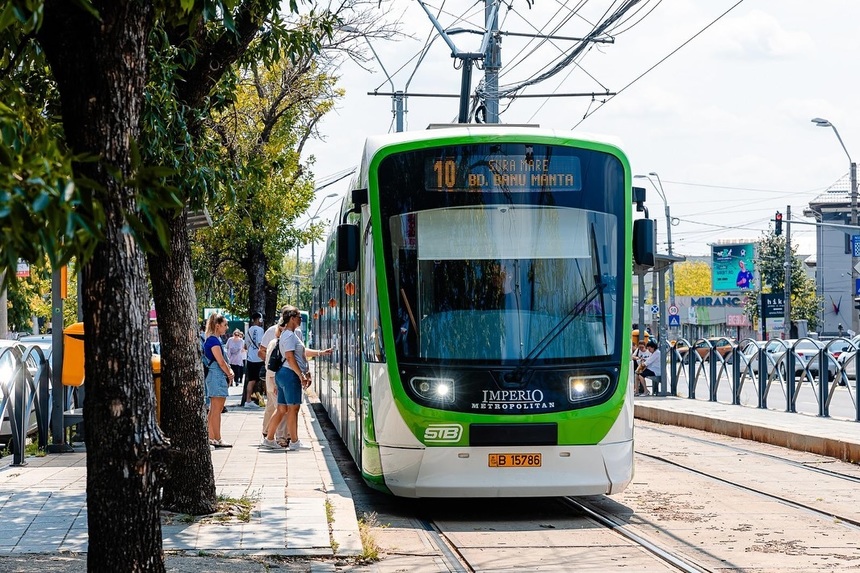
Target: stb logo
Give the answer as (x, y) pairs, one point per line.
(443, 433)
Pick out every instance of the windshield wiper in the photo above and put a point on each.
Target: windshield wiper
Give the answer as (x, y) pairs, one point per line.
(516, 375)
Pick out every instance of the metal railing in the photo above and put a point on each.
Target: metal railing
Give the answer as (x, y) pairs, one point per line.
(767, 368)
(25, 391)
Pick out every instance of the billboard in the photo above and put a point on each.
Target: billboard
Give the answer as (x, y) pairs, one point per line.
(733, 267)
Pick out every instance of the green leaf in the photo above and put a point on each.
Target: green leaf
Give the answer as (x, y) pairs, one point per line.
(41, 203)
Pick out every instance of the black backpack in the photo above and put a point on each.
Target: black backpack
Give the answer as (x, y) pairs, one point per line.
(275, 359)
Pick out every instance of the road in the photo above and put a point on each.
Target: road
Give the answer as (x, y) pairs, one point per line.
(698, 502)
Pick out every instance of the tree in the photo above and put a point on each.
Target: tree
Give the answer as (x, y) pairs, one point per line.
(692, 278)
(770, 259)
(75, 186)
(196, 79)
(262, 135)
(97, 56)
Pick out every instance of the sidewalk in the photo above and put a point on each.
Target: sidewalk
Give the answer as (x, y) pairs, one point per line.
(825, 436)
(43, 504)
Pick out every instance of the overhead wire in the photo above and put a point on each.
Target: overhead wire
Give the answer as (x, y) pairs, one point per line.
(666, 57)
(577, 50)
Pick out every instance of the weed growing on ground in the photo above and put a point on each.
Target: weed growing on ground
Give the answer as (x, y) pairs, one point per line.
(370, 550)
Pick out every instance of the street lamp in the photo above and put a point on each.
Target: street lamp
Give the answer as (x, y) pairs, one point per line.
(821, 122)
(398, 98)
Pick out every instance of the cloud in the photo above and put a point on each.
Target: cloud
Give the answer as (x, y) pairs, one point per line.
(758, 35)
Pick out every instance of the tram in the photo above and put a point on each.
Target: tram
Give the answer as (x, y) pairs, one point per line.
(476, 291)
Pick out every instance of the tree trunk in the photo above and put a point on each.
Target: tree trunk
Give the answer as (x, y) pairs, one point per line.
(270, 315)
(100, 67)
(255, 264)
(189, 483)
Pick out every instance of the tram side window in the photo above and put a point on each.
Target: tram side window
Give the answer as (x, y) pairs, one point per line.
(372, 332)
(405, 327)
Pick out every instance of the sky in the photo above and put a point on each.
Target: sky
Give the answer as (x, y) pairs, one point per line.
(715, 97)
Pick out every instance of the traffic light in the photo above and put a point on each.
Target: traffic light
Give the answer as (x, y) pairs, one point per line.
(777, 229)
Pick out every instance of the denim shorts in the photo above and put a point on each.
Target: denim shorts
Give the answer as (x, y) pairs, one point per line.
(216, 382)
(289, 387)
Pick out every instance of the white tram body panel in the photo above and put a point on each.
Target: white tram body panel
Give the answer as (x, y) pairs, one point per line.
(411, 469)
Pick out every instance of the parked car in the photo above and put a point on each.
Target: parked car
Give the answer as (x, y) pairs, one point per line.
(846, 358)
(748, 355)
(43, 341)
(723, 345)
(806, 353)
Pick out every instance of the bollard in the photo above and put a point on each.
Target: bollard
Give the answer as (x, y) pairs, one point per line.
(762, 377)
(823, 381)
(736, 376)
(712, 372)
(790, 364)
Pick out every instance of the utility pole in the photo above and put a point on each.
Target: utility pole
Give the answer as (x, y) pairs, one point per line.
(467, 58)
(787, 265)
(492, 61)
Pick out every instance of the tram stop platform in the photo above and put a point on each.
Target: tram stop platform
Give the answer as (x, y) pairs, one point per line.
(837, 438)
(302, 506)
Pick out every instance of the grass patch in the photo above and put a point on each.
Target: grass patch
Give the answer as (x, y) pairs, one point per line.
(370, 550)
(32, 449)
(329, 512)
(228, 510)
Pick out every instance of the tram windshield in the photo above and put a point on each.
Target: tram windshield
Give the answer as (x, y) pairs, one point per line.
(504, 283)
(503, 252)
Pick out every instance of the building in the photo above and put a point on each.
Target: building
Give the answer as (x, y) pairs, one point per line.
(833, 256)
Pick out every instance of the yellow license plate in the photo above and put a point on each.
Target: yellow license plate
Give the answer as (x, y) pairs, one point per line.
(514, 461)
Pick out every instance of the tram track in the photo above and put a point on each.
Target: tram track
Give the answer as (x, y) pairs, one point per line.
(613, 523)
(726, 479)
(747, 451)
(454, 560)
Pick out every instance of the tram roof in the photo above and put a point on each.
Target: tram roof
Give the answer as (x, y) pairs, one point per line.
(442, 131)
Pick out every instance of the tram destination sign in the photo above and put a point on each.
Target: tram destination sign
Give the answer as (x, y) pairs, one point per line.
(505, 168)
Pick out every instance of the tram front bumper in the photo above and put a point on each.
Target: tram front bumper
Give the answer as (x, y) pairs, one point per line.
(466, 472)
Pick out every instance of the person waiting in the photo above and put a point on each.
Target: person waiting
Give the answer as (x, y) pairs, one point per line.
(651, 367)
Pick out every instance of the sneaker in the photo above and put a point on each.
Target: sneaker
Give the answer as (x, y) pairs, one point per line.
(251, 406)
(270, 444)
(297, 445)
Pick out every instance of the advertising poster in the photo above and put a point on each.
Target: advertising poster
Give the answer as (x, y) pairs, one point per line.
(733, 267)
(773, 314)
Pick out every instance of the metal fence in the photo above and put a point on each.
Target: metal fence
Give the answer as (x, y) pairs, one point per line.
(25, 393)
(754, 373)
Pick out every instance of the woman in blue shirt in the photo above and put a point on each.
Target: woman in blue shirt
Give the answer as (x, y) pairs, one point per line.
(218, 378)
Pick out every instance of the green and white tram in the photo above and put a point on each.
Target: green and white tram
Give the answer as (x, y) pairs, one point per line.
(477, 294)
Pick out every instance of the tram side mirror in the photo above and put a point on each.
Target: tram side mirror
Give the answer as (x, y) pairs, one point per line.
(347, 248)
(644, 242)
(639, 198)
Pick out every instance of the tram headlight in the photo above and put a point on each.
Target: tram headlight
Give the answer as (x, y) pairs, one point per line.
(434, 389)
(580, 388)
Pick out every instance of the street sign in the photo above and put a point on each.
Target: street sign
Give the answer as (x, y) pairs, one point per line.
(857, 267)
(856, 287)
(655, 309)
(673, 309)
(674, 320)
(855, 245)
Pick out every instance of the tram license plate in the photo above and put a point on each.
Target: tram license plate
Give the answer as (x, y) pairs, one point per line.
(514, 461)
